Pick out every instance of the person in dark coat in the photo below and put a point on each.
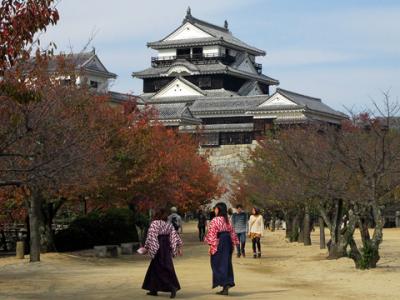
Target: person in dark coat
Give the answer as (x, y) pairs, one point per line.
(162, 243)
(201, 224)
(222, 239)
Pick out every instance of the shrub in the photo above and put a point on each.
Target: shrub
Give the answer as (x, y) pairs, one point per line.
(112, 227)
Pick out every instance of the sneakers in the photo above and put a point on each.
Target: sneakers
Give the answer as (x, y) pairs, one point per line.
(255, 255)
(238, 255)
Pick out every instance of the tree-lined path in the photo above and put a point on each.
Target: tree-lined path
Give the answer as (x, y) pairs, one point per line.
(287, 271)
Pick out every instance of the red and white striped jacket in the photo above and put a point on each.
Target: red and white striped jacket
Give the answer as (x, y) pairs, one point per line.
(160, 227)
(218, 224)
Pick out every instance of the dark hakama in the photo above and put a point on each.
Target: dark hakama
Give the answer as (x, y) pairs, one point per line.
(161, 276)
(221, 261)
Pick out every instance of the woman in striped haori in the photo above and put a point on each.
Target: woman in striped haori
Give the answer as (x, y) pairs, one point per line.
(162, 243)
(222, 239)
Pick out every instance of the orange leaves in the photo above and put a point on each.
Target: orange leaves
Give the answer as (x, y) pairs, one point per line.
(163, 167)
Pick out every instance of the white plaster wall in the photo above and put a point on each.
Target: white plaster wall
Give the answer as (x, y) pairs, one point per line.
(211, 50)
(177, 88)
(166, 52)
(103, 82)
(278, 99)
(187, 31)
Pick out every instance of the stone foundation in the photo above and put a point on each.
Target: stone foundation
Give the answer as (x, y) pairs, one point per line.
(226, 161)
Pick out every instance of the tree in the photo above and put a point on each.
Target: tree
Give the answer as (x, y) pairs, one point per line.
(20, 21)
(159, 167)
(53, 147)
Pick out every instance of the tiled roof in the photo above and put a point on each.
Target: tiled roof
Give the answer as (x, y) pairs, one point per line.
(217, 68)
(175, 111)
(309, 102)
(121, 98)
(220, 35)
(226, 105)
(80, 61)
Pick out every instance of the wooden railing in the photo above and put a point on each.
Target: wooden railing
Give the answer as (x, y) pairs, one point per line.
(202, 58)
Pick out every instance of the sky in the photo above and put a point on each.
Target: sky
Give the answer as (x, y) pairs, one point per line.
(346, 52)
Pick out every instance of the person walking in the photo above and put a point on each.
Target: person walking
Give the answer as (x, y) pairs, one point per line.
(162, 243)
(239, 223)
(201, 224)
(256, 231)
(221, 239)
(175, 219)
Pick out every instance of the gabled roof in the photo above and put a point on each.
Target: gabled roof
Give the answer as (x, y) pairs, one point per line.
(184, 83)
(248, 87)
(297, 102)
(219, 36)
(216, 68)
(86, 61)
(176, 113)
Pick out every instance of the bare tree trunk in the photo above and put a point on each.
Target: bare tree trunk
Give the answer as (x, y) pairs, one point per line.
(322, 244)
(294, 236)
(34, 212)
(300, 238)
(307, 227)
(368, 256)
(289, 224)
(4, 240)
(48, 212)
(273, 220)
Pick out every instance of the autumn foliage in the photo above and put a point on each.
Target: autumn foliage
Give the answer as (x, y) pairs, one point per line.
(159, 167)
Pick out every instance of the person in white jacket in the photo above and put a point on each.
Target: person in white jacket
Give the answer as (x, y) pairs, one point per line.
(256, 231)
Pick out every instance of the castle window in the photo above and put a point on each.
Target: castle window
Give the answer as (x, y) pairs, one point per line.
(183, 53)
(94, 84)
(205, 82)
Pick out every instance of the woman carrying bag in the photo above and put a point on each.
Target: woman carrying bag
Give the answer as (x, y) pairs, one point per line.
(256, 231)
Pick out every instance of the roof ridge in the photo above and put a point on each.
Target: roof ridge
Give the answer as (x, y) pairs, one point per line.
(298, 94)
(192, 20)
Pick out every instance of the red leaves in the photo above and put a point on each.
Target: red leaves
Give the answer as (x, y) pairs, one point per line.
(20, 21)
(162, 167)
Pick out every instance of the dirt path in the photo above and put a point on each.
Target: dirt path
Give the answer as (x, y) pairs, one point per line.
(287, 271)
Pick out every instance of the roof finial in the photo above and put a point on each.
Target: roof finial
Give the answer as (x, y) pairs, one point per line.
(93, 50)
(226, 24)
(188, 12)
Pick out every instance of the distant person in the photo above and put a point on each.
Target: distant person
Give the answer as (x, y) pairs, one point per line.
(230, 213)
(211, 215)
(267, 220)
(256, 231)
(239, 223)
(222, 239)
(162, 243)
(201, 224)
(175, 220)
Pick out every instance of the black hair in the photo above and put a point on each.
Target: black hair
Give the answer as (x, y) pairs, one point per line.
(239, 206)
(222, 210)
(160, 214)
(256, 210)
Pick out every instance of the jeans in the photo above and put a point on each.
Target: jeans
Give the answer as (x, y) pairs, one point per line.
(242, 243)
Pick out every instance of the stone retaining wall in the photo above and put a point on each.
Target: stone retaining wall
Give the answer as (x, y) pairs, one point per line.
(226, 161)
